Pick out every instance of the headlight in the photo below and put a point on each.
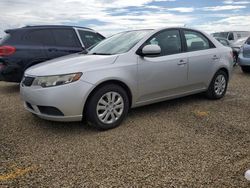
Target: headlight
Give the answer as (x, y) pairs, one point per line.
(49, 81)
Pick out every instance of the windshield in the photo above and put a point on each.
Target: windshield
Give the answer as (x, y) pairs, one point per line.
(119, 43)
(221, 35)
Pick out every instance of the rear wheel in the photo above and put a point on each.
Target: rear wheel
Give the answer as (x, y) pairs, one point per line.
(245, 69)
(218, 86)
(107, 107)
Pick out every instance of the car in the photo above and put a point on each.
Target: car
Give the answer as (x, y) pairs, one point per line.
(226, 43)
(127, 70)
(234, 45)
(27, 46)
(244, 57)
(232, 36)
(237, 45)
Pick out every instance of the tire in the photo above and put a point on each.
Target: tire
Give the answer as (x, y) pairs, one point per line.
(235, 57)
(245, 69)
(218, 86)
(111, 112)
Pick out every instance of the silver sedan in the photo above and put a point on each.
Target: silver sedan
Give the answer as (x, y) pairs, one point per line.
(127, 70)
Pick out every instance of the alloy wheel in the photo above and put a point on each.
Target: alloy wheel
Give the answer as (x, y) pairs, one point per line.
(220, 84)
(110, 107)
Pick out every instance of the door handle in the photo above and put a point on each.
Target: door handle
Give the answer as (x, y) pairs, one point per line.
(182, 62)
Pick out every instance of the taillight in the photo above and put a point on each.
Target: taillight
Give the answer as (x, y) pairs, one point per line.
(7, 50)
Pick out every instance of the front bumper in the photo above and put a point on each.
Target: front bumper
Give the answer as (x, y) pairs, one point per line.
(68, 98)
(243, 61)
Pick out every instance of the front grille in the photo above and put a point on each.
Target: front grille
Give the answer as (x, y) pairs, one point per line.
(27, 81)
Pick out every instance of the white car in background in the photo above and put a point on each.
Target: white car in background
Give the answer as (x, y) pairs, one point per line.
(232, 36)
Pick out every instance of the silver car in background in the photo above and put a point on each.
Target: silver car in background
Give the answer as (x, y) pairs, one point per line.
(236, 46)
(127, 70)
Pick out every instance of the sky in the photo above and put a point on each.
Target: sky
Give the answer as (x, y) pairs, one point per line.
(111, 16)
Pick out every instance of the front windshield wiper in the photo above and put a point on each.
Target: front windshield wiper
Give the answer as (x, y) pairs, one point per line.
(95, 53)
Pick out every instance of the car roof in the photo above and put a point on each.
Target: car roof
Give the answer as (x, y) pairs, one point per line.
(231, 31)
(161, 28)
(47, 26)
(55, 26)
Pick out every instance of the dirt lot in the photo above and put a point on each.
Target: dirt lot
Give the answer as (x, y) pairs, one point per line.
(189, 142)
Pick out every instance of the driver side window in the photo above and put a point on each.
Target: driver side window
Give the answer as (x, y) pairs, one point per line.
(168, 40)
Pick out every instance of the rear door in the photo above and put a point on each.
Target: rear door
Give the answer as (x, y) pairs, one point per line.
(64, 42)
(32, 46)
(202, 58)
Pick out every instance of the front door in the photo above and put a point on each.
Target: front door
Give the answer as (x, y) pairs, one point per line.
(163, 75)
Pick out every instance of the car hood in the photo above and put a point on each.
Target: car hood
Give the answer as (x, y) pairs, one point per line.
(238, 43)
(70, 64)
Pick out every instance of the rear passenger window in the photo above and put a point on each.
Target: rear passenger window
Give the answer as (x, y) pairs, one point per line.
(39, 37)
(65, 38)
(196, 41)
(169, 41)
(89, 38)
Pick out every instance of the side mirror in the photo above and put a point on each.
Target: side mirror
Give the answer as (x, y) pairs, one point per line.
(151, 49)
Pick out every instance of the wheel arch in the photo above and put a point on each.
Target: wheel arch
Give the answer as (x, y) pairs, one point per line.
(219, 69)
(225, 70)
(112, 81)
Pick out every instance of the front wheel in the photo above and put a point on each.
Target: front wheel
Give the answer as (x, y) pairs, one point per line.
(218, 86)
(107, 107)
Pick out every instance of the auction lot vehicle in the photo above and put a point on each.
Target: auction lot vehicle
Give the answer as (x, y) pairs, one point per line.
(244, 57)
(234, 45)
(232, 36)
(24, 47)
(127, 70)
(238, 44)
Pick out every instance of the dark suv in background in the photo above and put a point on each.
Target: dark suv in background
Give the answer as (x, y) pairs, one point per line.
(23, 47)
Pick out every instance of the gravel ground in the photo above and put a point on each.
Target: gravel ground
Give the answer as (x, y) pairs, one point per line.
(188, 142)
